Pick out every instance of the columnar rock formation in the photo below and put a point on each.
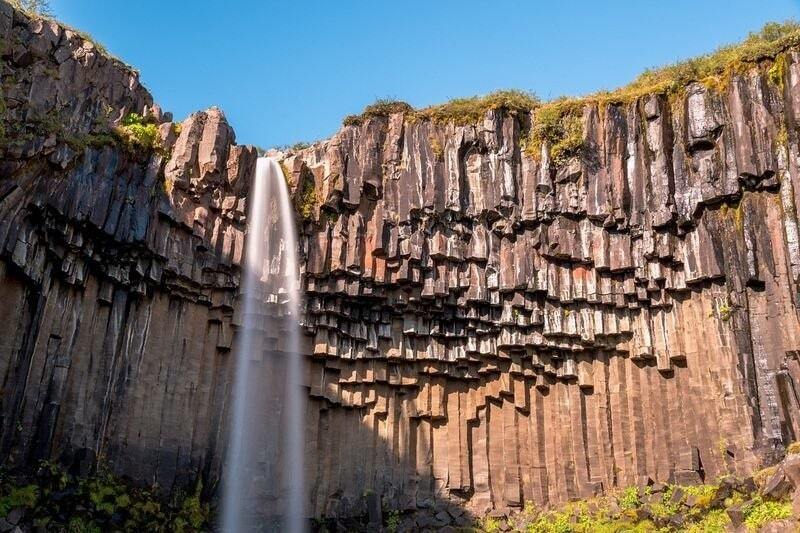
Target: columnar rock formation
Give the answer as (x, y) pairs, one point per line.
(482, 326)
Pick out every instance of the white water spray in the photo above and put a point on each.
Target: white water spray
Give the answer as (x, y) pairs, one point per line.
(263, 480)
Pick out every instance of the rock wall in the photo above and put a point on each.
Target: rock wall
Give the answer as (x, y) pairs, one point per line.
(118, 297)
(514, 331)
(482, 326)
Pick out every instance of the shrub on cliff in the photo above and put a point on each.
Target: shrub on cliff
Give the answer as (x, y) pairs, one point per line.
(139, 132)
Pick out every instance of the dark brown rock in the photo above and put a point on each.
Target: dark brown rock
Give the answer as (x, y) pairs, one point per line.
(777, 486)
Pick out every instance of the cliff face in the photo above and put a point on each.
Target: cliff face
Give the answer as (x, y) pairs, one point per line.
(482, 326)
(117, 297)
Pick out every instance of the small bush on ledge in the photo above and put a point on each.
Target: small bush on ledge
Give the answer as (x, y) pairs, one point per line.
(139, 132)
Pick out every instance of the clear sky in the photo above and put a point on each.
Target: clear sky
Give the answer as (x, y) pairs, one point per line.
(288, 71)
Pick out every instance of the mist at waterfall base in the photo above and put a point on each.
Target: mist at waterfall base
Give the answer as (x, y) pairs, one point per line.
(262, 481)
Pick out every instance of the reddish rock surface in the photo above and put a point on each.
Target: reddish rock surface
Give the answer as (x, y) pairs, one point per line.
(481, 327)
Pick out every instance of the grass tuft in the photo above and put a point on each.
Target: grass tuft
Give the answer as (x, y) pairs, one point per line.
(560, 125)
(459, 111)
(381, 108)
(463, 111)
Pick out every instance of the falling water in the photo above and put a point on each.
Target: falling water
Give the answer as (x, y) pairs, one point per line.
(263, 480)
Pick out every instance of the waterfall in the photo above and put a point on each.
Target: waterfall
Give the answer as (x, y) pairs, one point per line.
(263, 476)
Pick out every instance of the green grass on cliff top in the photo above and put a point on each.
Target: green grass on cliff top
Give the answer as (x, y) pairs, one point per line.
(714, 69)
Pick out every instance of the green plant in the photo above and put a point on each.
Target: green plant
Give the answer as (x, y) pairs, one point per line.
(666, 508)
(793, 448)
(703, 494)
(777, 72)
(305, 198)
(139, 132)
(393, 521)
(24, 496)
(725, 312)
(560, 125)
(761, 512)
(459, 111)
(629, 498)
(462, 111)
(490, 525)
(716, 521)
(106, 494)
(78, 524)
(52, 476)
(771, 40)
(307, 201)
(381, 108)
(287, 175)
(552, 522)
(192, 514)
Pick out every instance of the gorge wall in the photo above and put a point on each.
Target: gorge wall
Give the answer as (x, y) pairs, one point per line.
(481, 326)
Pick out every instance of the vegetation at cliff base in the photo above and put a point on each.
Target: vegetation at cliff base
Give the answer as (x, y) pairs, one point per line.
(705, 508)
(53, 500)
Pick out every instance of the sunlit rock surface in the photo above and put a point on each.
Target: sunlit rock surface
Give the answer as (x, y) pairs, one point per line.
(481, 327)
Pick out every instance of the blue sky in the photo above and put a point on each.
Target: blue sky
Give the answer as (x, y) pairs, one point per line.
(289, 71)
